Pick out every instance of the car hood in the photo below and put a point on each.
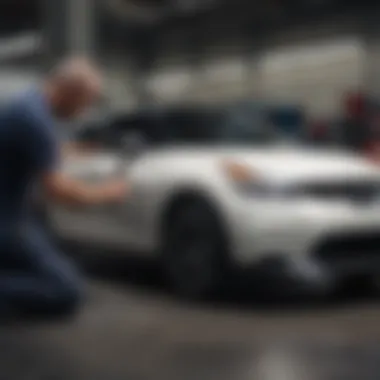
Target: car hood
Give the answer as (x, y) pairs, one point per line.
(290, 163)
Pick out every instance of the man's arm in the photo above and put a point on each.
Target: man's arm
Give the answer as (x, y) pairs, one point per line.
(42, 150)
(69, 191)
(78, 148)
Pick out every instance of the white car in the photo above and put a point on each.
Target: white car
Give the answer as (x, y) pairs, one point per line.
(211, 197)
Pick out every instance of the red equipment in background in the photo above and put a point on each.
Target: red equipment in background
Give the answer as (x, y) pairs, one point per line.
(319, 131)
(356, 106)
(355, 131)
(365, 112)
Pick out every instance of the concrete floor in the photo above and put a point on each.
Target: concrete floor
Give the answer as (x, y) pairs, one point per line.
(128, 330)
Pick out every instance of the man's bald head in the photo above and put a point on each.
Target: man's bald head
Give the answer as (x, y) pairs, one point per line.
(73, 86)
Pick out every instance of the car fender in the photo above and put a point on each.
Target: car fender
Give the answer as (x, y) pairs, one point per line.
(187, 192)
(160, 182)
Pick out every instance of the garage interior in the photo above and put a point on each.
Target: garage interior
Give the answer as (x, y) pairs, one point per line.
(296, 53)
(233, 53)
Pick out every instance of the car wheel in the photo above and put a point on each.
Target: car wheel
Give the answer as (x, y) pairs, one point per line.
(195, 261)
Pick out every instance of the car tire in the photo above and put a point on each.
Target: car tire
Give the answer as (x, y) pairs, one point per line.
(195, 255)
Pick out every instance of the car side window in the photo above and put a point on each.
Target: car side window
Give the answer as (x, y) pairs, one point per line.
(122, 127)
(149, 127)
(89, 133)
(108, 133)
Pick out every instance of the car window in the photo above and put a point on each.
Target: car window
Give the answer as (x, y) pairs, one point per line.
(218, 126)
(139, 124)
(189, 126)
(88, 132)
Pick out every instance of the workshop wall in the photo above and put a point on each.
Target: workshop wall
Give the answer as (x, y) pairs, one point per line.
(315, 75)
(311, 65)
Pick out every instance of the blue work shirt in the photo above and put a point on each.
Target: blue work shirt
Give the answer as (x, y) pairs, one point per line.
(29, 146)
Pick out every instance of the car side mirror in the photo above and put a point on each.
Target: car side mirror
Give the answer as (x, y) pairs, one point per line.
(133, 145)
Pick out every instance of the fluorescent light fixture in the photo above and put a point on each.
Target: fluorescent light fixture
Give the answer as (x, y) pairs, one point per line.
(20, 45)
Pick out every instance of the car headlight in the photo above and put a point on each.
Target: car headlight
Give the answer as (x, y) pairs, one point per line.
(250, 182)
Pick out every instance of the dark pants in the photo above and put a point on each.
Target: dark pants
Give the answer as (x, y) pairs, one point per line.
(34, 276)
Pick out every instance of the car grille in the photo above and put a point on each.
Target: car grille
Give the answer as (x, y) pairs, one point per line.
(350, 249)
(364, 191)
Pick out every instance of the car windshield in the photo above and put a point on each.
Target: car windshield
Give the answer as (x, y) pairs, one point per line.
(199, 126)
(218, 127)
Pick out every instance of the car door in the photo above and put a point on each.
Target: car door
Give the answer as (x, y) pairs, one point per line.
(85, 223)
(125, 222)
(88, 223)
(105, 224)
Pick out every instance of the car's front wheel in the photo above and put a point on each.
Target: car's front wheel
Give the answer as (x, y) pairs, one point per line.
(195, 253)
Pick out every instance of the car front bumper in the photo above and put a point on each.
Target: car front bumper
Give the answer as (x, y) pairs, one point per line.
(311, 247)
(279, 276)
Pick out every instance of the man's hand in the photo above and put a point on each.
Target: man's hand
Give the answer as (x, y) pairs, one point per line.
(79, 149)
(115, 191)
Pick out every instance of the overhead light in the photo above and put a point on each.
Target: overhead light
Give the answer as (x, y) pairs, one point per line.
(153, 11)
(134, 10)
(20, 45)
(193, 5)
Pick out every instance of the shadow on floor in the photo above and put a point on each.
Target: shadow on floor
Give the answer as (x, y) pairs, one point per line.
(145, 277)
